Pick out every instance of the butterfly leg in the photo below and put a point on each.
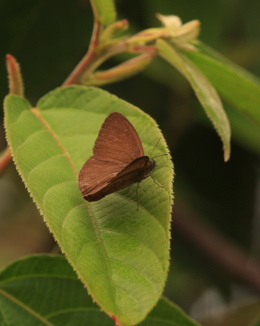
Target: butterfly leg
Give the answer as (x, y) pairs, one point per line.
(158, 184)
(128, 190)
(138, 204)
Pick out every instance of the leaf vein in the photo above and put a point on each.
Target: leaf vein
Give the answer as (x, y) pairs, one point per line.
(29, 137)
(54, 186)
(145, 277)
(149, 213)
(137, 240)
(25, 307)
(37, 166)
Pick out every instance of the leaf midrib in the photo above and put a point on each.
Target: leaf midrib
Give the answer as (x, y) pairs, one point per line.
(37, 113)
(25, 307)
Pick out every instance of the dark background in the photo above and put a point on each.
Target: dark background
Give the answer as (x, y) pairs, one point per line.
(48, 38)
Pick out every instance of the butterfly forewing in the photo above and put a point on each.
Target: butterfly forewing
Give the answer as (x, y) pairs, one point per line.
(118, 140)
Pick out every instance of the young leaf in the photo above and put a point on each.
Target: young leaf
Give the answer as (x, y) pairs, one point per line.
(16, 85)
(104, 10)
(119, 252)
(44, 290)
(235, 84)
(205, 92)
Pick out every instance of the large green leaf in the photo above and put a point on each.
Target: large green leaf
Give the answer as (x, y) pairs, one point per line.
(105, 11)
(44, 290)
(204, 90)
(119, 252)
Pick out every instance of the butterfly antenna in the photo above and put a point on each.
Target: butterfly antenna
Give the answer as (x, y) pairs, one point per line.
(161, 155)
(154, 149)
(155, 146)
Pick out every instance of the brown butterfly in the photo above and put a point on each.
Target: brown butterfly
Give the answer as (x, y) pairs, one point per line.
(118, 160)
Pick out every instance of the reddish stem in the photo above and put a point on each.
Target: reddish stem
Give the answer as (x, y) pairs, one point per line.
(88, 59)
(144, 48)
(116, 320)
(5, 160)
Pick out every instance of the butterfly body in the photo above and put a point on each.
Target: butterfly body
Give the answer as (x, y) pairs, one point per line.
(118, 160)
(135, 172)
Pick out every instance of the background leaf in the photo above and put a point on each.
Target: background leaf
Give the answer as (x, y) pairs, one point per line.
(44, 290)
(167, 313)
(233, 82)
(119, 252)
(240, 88)
(205, 92)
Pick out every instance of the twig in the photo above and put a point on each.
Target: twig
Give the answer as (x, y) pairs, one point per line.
(216, 247)
(5, 160)
(145, 48)
(89, 58)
